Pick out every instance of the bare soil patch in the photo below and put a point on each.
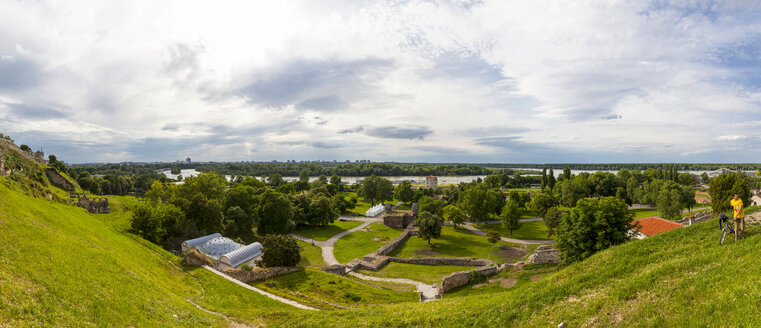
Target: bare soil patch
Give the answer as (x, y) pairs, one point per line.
(426, 252)
(537, 277)
(509, 254)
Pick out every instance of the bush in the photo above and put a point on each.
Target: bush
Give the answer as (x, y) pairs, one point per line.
(246, 267)
(280, 250)
(352, 297)
(476, 277)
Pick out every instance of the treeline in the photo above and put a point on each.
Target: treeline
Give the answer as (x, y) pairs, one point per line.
(633, 166)
(344, 169)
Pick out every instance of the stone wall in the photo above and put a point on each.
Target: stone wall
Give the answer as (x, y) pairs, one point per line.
(393, 244)
(545, 254)
(398, 220)
(195, 258)
(336, 269)
(259, 273)
(457, 279)
(32, 156)
(57, 180)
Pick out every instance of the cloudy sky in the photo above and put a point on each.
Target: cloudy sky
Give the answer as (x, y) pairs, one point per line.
(437, 81)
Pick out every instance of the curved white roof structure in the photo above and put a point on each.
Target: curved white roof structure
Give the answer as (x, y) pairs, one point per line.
(218, 246)
(242, 255)
(375, 210)
(198, 241)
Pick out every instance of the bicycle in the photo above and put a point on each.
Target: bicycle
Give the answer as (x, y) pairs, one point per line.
(727, 225)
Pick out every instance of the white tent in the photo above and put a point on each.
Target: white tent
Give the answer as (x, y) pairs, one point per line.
(375, 210)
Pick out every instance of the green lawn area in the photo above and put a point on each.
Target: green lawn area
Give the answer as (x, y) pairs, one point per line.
(324, 233)
(644, 213)
(361, 242)
(362, 205)
(310, 286)
(452, 243)
(505, 280)
(311, 255)
(534, 230)
(429, 274)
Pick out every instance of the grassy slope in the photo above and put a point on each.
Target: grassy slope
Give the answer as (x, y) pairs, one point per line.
(429, 274)
(311, 255)
(681, 278)
(324, 233)
(533, 230)
(361, 243)
(60, 265)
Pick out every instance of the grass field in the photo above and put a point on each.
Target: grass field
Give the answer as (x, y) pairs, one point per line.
(324, 233)
(311, 286)
(311, 255)
(361, 243)
(429, 274)
(61, 266)
(453, 243)
(362, 205)
(505, 280)
(534, 230)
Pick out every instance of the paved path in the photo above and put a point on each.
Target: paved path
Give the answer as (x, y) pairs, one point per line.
(474, 230)
(327, 245)
(275, 297)
(429, 292)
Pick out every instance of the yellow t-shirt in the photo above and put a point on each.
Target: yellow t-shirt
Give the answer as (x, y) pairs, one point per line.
(738, 206)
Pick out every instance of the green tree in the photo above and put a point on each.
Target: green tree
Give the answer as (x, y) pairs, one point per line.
(252, 182)
(669, 203)
(551, 180)
(238, 224)
(454, 214)
(431, 205)
(275, 180)
(376, 189)
(275, 214)
(493, 181)
(723, 186)
(566, 173)
(242, 196)
(591, 226)
(704, 177)
(544, 178)
(25, 148)
(335, 180)
(280, 251)
(552, 220)
(429, 226)
(321, 211)
(175, 169)
(511, 215)
(403, 192)
(541, 202)
(480, 202)
(492, 237)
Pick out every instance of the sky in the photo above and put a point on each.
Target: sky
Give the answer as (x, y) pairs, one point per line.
(408, 81)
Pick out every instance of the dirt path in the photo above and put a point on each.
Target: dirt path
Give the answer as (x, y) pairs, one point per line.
(274, 297)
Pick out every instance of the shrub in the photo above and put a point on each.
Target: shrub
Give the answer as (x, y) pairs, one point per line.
(280, 250)
(352, 297)
(246, 267)
(476, 277)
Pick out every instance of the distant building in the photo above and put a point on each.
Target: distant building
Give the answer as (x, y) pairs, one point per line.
(187, 160)
(755, 200)
(431, 182)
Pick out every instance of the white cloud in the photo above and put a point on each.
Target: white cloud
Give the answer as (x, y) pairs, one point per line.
(244, 80)
(731, 137)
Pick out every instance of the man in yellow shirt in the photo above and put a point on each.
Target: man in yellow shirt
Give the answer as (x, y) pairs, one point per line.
(737, 205)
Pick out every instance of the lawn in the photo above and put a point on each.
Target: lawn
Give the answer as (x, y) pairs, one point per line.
(362, 205)
(506, 280)
(534, 230)
(452, 243)
(311, 255)
(310, 286)
(324, 233)
(361, 242)
(429, 274)
(644, 213)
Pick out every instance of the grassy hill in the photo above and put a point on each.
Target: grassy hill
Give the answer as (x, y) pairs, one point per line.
(682, 278)
(61, 266)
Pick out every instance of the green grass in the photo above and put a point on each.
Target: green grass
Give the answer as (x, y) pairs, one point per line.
(641, 213)
(682, 278)
(362, 205)
(324, 233)
(517, 276)
(452, 243)
(61, 266)
(311, 286)
(311, 255)
(405, 207)
(534, 230)
(429, 274)
(361, 242)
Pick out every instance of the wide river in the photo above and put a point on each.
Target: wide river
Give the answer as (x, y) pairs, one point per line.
(351, 180)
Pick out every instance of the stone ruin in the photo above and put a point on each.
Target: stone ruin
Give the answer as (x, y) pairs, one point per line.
(92, 205)
(545, 254)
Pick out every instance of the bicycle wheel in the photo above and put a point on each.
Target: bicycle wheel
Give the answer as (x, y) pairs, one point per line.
(723, 234)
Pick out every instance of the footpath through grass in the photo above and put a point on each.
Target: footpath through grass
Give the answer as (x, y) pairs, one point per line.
(330, 230)
(452, 243)
(682, 278)
(311, 255)
(429, 274)
(533, 230)
(312, 287)
(361, 242)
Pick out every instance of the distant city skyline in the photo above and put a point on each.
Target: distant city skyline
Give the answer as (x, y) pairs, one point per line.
(408, 81)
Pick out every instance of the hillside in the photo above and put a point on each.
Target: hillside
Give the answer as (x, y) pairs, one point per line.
(61, 266)
(681, 278)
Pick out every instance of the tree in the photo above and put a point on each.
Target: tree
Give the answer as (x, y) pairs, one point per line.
(175, 169)
(243, 197)
(280, 251)
(429, 226)
(403, 192)
(25, 148)
(541, 202)
(511, 215)
(622, 194)
(376, 189)
(669, 203)
(454, 214)
(591, 226)
(704, 177)
(431, 205)
(566, 173)
(544, 178)
(275, 180)
(275, 214)
(335, 180)
(492, 237)
(253, 182)
(493, 181)
(479, 202)
(551, 179)
(238, 224)
(552, 220)
(723, 186)
(321, 211)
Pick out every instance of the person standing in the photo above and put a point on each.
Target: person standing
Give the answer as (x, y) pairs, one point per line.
(737, 205)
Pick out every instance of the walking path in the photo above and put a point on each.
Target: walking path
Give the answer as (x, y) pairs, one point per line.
(428, 292)
(327, 245)
(475, 230)
(274, 297)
